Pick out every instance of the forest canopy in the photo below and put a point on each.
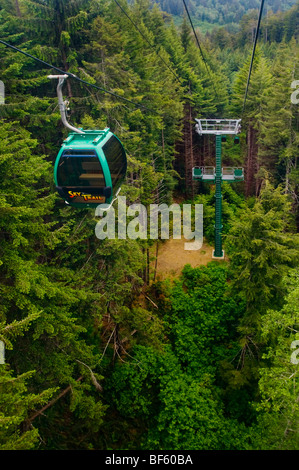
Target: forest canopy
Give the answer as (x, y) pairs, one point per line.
(222, 11)
(101, 351)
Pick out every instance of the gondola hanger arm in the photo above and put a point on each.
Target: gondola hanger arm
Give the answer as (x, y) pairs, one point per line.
(106, 207)
(61, 104)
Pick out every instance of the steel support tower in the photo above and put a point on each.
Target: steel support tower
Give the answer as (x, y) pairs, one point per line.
(215, 175)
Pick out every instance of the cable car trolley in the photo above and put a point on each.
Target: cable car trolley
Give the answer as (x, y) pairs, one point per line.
(91, 164)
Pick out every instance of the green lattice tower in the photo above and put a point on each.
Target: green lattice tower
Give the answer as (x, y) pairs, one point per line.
(218, 252)
(217, 174)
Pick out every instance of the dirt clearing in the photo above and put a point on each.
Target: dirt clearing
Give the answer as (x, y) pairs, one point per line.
(172, 257)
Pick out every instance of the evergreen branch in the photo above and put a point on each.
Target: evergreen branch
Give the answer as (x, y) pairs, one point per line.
(52, 402)
(93, 378)
(107, 344)
(16, 327)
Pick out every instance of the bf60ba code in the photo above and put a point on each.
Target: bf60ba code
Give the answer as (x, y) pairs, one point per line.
(170, 459)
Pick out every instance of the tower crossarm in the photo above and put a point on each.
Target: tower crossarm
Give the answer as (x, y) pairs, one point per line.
(218, 126)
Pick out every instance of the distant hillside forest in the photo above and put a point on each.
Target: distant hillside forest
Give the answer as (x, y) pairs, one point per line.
(97, 352)
(222, 11)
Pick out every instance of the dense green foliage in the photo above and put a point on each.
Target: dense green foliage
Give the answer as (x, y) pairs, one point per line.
(222, 11)
(97, 355)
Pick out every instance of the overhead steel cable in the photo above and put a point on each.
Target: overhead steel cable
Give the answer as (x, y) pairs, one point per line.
(147, 41)
(71, 75)
(194, 32)
(253, 52)
(199, 46)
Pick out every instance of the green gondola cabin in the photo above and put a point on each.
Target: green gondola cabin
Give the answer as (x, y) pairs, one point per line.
(90, 168)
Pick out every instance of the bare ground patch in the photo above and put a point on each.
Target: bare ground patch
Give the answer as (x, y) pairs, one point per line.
(172, 257)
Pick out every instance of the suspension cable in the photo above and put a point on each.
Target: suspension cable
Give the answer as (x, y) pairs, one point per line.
(147, 41)
(199, 46)
(195, 35)
(253, 52)
(71, 75)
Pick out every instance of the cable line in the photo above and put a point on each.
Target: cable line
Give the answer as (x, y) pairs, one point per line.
(146, 39)
(76, 78)
(195, 35)
(199, 46)
(253, 52)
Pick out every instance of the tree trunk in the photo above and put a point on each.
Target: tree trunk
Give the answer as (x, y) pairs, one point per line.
(147, 266)
(188, 150)
(156, 260)
(18, 11)
(251, 164)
